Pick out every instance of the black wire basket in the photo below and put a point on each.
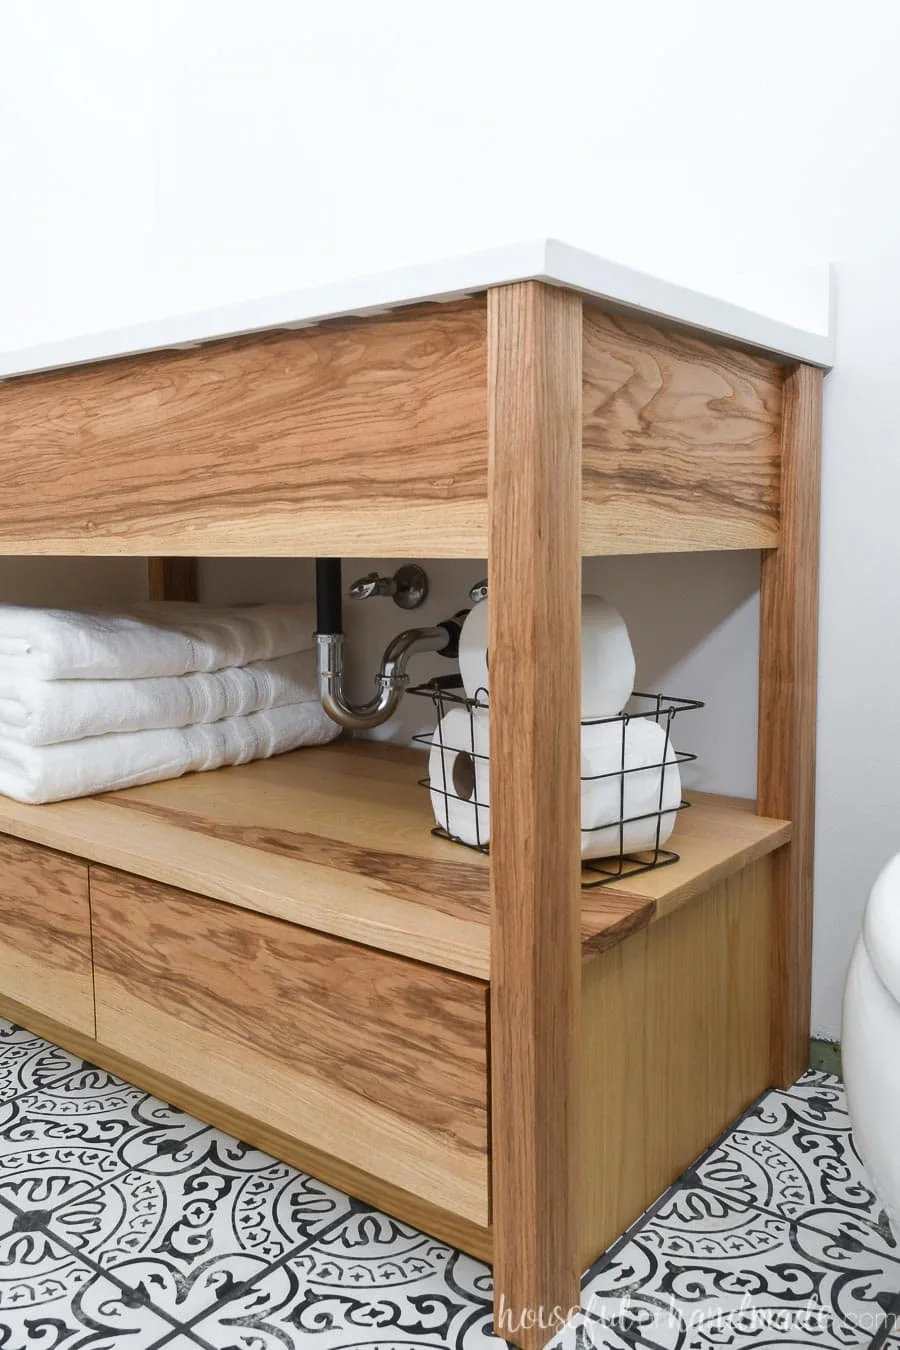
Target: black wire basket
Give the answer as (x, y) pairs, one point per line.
(466, 780)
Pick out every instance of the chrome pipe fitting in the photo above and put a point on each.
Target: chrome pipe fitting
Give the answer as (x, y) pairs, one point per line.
(390, 681)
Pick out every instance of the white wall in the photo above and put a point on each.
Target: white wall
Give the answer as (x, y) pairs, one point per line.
(160, 156)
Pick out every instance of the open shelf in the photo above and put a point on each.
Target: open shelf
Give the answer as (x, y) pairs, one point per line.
(338, 838)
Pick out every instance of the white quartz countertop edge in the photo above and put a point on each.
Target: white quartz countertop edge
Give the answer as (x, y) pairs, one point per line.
(447, 279)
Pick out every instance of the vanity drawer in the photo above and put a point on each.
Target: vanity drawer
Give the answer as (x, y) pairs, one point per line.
(372, 1058)
(45, 933)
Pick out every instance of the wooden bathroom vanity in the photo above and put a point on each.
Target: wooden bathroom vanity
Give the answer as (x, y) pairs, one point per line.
(477, 1046)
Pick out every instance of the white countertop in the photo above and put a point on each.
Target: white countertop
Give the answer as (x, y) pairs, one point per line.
(449, 278)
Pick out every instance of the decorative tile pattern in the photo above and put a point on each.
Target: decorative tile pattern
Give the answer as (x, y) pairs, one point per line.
(27, 1062)
(793, 1154)
(372, 1280)
(49, 1297)
(191, 1226)
(63, 1140)
(705, 1271)
(127, 1225)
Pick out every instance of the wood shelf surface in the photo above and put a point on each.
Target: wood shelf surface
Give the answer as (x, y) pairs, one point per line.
(338, 839)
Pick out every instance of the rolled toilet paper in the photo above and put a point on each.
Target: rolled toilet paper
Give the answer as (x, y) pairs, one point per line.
(607, 657)
(627, 796)
(459, 775)
(473, 652)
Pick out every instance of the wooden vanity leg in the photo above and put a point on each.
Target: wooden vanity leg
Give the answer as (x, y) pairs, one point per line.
(789, 606)
(534, 569)
(172, 579)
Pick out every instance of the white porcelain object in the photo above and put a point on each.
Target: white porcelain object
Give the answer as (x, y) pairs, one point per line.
(870, 1041)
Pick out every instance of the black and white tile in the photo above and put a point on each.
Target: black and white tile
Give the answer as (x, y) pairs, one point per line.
(126, 1224)
(27, 1062)
(49, 1297)
(192, 1227)
(704, 1270)
(793, 1154)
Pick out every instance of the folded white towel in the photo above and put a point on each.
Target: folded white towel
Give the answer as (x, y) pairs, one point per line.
(43, 712)
(47, 773)
(157, 638)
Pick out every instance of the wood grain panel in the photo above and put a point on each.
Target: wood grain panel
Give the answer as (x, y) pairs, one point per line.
(378, 1060)
(279, 443)
(534, 567)
(338, 839)
(675, 1046)
(681, 441)
(373, 1190)
(172, 579)
(716, 837)
(45, 933)
(789, 613)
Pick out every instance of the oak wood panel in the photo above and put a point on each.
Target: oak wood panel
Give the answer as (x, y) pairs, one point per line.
(681, 441)
(534, 567)
(379, 1060)
(279, 443)
(715, 837)
(338, 838)
(675, 1046)
(45, 933)
(789, 611)
(172, 579)
(326, 1167)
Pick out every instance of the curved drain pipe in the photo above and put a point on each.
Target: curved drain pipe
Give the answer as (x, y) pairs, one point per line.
(391, 679)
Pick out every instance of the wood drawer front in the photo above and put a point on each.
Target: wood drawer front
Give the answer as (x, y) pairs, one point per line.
(45, 933)
(372, 1058)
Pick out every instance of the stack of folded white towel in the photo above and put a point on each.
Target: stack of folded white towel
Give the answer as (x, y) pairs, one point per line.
(96, 700)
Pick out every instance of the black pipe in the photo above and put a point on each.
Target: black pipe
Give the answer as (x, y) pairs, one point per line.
(329, 618)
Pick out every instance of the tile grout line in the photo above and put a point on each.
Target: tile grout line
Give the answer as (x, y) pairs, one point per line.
(356, 1207)
(693, 1181)
(688, 1180)
(246, 1285)
(89, 1261)
(177, 1325)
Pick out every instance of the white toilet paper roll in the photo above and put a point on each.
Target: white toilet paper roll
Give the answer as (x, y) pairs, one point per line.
(607, 800)
(473, 651)
(607, 658)
(459, 775)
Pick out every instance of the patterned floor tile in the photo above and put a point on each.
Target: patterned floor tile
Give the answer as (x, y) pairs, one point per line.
(705, 1271)
(27, 1062)
(370, 1281)
(793, 1154)
(191, 1227)
(51, 1298)
(63, 1140)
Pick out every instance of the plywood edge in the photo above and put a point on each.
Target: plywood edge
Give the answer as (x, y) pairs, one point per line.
(459, 1232)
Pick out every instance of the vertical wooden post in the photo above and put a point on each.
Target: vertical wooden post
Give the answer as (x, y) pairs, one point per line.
(789, 607)
(172, 578)
(534, 570)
